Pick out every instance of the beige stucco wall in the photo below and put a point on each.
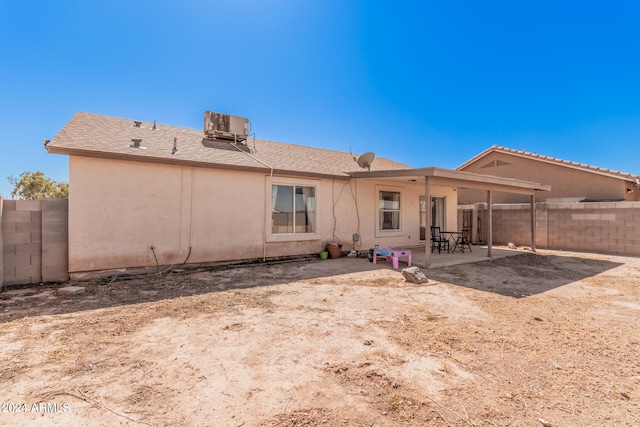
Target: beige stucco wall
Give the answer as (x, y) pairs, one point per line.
(409, 234)
(565, 182)
(119, 209)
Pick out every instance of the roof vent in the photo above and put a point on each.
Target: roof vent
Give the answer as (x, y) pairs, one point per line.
(154, 126)
(136, 144)
(225, 126)
(136, 123)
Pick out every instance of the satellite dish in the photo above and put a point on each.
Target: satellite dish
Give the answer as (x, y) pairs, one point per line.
(365, 160)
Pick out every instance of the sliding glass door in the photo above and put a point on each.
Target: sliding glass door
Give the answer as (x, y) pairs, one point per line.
(437, 215)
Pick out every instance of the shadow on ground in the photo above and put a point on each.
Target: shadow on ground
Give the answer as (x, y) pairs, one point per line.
(121, 290)
(517, 276)
(523, 275)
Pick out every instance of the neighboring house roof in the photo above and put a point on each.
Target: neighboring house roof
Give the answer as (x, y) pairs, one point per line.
(94, 135)
(553, 160)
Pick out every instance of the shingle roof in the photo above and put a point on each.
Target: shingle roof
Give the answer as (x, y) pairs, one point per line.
(94, 135)
(554, 160)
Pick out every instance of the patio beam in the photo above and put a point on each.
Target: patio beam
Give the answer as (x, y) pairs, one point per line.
(455, 178)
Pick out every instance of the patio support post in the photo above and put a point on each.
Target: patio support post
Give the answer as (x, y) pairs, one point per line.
(427, 200)
(489, 224)
(533, 222)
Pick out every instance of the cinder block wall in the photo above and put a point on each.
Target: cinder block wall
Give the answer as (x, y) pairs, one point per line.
(33, 241)
(606, 227)
(511, 223)
(599, 227)
(55, 237)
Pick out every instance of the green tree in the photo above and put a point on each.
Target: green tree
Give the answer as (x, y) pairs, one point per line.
(36, 186)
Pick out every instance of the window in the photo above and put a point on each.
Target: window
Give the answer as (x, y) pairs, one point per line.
(293, 209)
(389, 210)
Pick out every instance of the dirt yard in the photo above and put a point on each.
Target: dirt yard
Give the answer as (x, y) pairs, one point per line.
(547, 339)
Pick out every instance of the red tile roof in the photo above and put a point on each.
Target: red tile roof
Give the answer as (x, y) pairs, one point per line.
(554, 160)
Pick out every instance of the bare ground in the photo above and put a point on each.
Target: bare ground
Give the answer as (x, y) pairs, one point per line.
(547, 339)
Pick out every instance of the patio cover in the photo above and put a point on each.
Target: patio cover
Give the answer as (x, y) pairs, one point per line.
(452, 178)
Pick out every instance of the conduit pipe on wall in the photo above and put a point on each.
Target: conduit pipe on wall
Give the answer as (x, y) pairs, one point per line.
(191, 197)
(190, 236)
(351, 183)
(354, 194)
(264, 235)
(193, 179)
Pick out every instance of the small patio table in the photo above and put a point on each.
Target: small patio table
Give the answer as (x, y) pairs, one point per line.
(452, 236)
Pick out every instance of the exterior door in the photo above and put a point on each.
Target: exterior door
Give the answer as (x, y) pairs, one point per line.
(437, 215)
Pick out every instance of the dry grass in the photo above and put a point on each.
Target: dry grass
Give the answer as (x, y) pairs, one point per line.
(568, 354)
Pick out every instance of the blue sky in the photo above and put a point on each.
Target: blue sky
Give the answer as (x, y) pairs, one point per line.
(429, 83)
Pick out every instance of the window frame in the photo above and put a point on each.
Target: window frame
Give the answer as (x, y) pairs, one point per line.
(380, 232)
(291, 236)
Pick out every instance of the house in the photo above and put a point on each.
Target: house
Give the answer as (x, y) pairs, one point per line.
(569, 181)
(143, 194)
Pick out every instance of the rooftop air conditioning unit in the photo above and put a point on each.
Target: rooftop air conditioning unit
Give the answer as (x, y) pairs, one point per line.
(225, 126)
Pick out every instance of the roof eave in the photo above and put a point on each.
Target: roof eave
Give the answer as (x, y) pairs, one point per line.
(476, 157)
(181, 162)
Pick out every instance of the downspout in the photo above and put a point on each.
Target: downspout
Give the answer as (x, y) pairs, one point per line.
(193, 190)
(181, 217)
(264, 236)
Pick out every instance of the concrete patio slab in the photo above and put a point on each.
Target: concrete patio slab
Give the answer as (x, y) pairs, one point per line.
(443, 259)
